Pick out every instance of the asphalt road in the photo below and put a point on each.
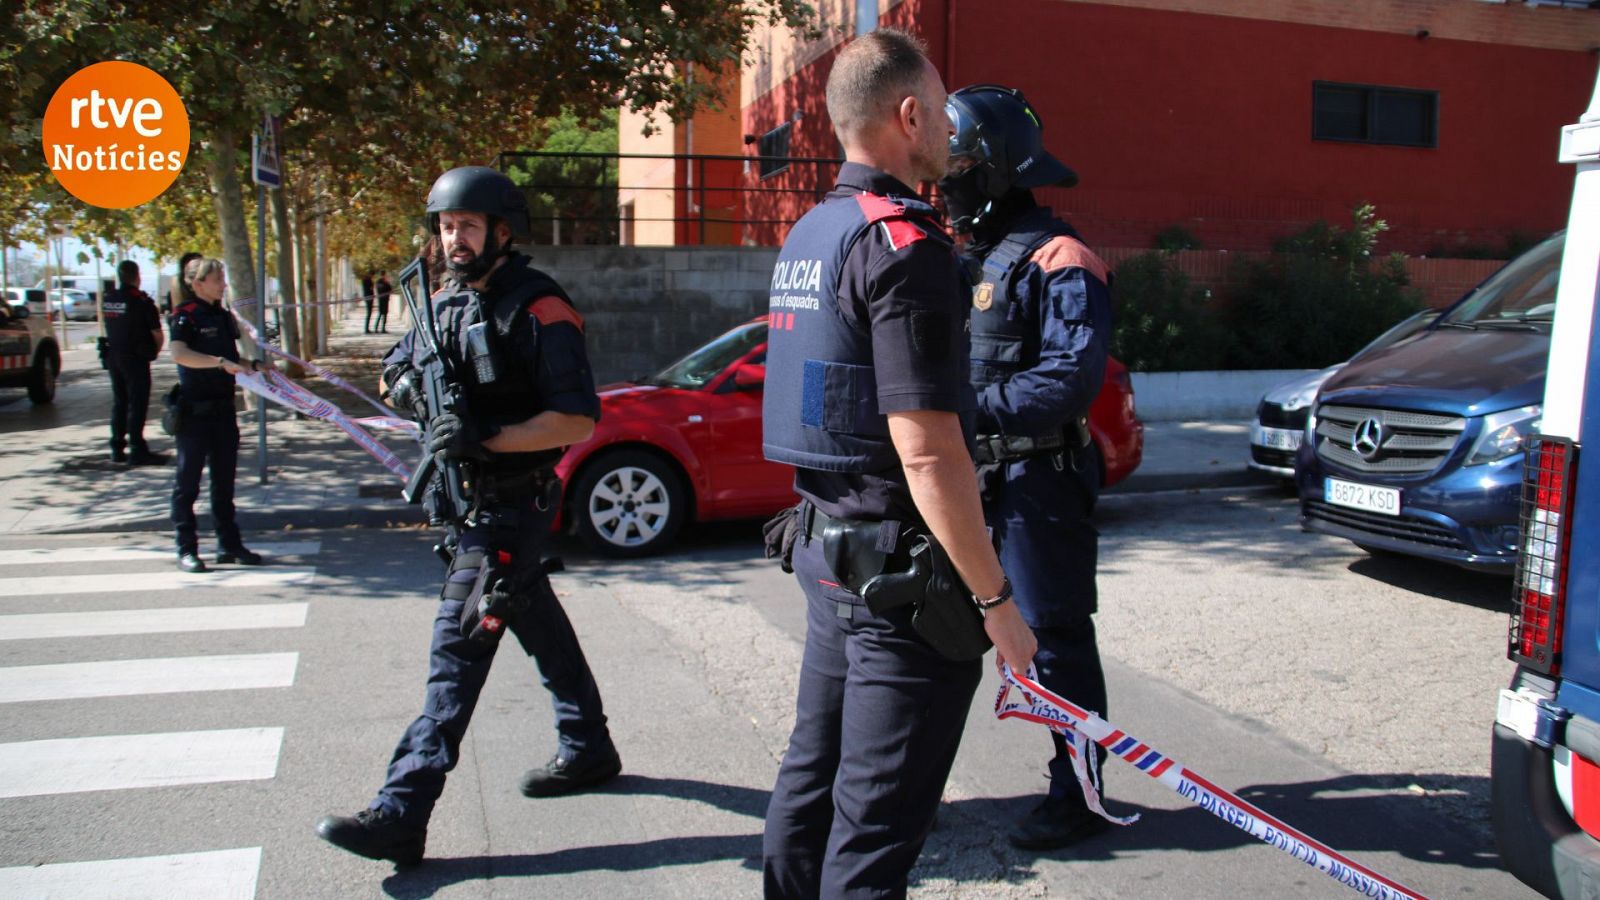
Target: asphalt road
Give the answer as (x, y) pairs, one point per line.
(1351, 697)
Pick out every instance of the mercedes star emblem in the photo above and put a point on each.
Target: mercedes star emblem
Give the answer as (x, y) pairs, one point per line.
(1368, 439)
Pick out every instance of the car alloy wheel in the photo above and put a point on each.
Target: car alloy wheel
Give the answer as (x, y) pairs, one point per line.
(628, 504)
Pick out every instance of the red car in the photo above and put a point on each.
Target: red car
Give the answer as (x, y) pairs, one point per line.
(685, 445)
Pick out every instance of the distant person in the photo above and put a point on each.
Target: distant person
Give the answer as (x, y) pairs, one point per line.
(204, 345)
(367, 298)
(385, 289)
(133, 338)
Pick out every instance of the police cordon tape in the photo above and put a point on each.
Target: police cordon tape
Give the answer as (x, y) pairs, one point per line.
(1079, 726)
(276, 387)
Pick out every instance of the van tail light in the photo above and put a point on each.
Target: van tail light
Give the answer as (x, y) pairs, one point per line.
(1540, 587)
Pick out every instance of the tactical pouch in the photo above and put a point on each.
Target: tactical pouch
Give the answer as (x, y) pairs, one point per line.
(102, 346)
(779, 535)
(172, 414)
(855, 551)
(481, 580)
(944, 613)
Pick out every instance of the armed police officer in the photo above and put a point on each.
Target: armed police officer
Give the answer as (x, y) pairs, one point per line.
(866, 393)
(133, 340)
(1041, 323)
(513, 348)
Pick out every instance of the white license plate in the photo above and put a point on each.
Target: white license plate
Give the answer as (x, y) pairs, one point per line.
(1382, 500)
(1278, 438)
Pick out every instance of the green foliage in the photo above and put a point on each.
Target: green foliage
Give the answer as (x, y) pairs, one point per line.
(1318, 298)
(1176, 237)
(579, 190)
(1163, 323)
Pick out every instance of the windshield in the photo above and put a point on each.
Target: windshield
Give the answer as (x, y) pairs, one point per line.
(1524, 291)
(700, 366)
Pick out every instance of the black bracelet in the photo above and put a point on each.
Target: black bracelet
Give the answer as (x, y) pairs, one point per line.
(997, 599)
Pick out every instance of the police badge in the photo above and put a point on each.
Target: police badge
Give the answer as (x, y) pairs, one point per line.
(983, 295)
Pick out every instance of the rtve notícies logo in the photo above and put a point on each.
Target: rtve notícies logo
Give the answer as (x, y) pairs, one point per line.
(116, 134)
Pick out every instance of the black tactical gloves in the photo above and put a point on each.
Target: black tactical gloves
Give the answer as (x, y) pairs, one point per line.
(458, 438)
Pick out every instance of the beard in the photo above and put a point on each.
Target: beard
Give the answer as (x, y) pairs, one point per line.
(477, 265)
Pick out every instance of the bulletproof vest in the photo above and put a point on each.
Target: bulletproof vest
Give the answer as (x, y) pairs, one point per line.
(820, 409)
(508, 333)
(212, 331)
(120, 309)
(1004, 342)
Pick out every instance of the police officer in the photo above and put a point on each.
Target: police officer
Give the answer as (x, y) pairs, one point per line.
(1041, 323)
(133, 338)
(866, 390)
(203, 346)
(516, 345)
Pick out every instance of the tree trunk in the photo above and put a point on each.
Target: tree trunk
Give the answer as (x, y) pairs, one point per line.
(289, 314)
(228, 197)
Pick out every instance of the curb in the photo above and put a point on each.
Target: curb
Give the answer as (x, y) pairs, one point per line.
(269, 520)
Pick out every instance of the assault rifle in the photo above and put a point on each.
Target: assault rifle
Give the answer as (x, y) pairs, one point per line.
(442, 393)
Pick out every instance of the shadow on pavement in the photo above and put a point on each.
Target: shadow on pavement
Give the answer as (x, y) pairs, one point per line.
(1484, 590)
(435, 874)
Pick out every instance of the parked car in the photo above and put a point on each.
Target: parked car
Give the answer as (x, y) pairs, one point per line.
(1418, 448)
(32, 298)
(1280, 421)
(29, 356)
(75, 305)
(684, 445)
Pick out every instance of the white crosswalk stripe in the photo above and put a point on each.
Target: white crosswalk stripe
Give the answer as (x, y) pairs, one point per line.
(62, 764)
(65, 555)
(127, 677)
(216, 875)
(123, 761)
(111, 582)
(33, 626)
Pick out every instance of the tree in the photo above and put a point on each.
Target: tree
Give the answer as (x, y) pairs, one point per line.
(378, 97)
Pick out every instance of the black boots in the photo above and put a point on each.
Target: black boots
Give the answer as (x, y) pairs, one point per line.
(563, 776)
(239, 556)
(1054, 824)
(375, 834)
(191, 562)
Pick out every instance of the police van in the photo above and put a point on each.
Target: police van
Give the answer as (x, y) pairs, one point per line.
(1545, 760)
(29, 355)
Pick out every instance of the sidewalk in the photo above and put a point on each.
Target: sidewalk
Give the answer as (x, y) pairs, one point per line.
(56, 475)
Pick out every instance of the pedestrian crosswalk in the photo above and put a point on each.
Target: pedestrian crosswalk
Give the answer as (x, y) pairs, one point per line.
(232, 605)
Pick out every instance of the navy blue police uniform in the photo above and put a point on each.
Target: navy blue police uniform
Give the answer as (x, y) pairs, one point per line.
(866, 319)
(542, 366)
(209, 435)
(131, 321)
(1041, 325)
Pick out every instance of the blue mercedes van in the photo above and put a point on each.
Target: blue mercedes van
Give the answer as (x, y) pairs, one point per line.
(1417, 449)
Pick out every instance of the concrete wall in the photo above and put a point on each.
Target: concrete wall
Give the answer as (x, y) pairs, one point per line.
(1176, 396)
(644, 307)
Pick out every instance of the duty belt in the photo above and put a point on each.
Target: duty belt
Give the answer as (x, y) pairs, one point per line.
(1005, 447)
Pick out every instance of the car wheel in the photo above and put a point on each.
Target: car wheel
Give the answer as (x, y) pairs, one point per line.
(42, 379)
(628, 503)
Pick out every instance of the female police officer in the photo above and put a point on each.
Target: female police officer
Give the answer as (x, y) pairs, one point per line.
(203, 346)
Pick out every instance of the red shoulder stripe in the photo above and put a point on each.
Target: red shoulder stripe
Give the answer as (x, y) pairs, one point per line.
(1063, 252)
(902, 233)
(877, 208)
(552, 309)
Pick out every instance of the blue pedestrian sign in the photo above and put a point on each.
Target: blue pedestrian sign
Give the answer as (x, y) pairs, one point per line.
(267, 154)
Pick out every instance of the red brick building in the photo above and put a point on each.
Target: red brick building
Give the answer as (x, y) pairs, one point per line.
(1239, 121)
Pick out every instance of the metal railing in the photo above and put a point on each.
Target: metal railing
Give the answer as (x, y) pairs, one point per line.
(609, 198)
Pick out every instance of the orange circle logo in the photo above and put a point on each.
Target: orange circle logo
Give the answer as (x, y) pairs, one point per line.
(116, 135)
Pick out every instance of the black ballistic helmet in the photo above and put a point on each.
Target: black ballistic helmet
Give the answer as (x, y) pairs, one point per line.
(998, 128)
(478, 189)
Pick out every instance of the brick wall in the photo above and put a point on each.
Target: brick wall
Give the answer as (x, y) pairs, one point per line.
(1441, 281)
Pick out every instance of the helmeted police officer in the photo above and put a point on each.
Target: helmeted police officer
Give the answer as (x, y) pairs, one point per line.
(866, 390)
(204, 345)
(515, 344)
(133, 339)
(1041, 324)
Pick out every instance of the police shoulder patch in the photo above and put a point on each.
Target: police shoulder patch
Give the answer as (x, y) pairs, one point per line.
(552, 309)
(983, 296)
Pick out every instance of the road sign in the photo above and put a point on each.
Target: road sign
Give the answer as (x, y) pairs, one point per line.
(267, 154)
